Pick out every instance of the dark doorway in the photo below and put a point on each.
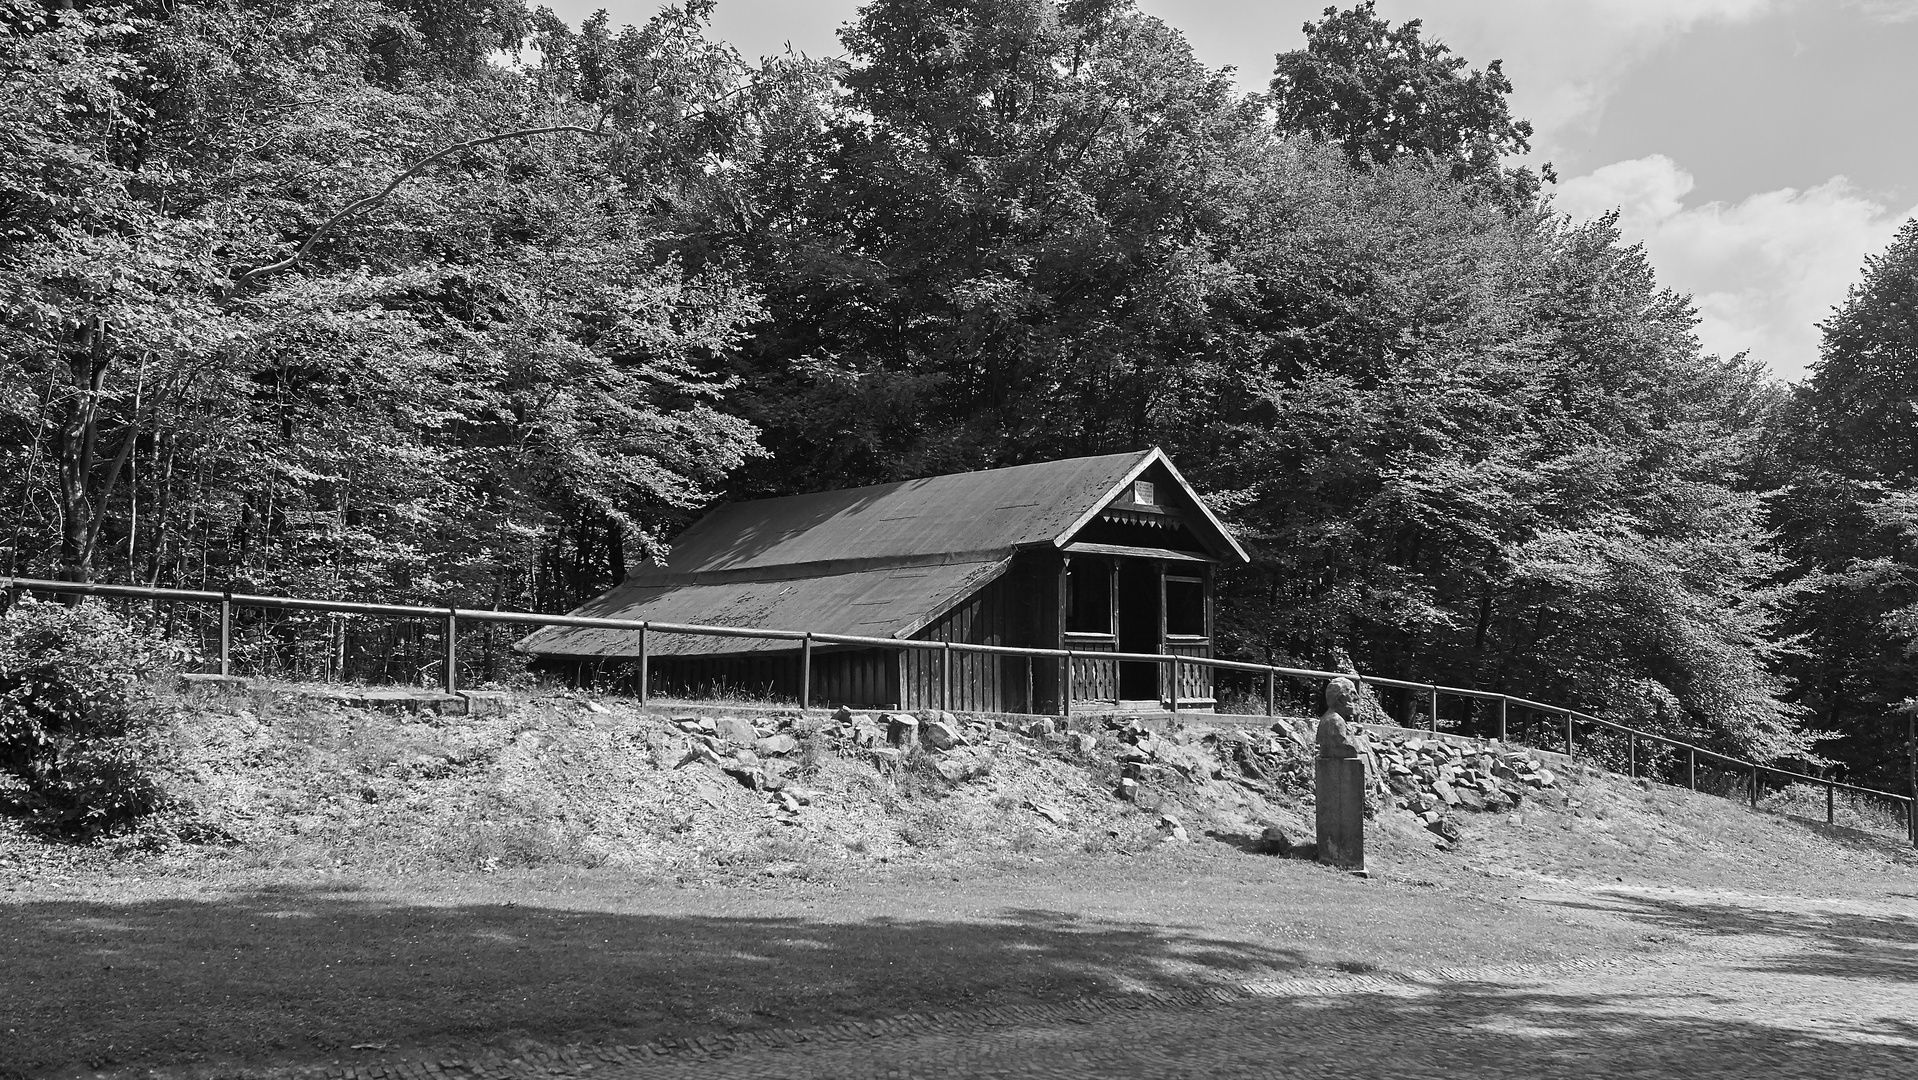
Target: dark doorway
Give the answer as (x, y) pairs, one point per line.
(1138, 628)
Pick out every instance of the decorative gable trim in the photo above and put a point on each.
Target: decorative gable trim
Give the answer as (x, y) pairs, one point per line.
(1216, 535)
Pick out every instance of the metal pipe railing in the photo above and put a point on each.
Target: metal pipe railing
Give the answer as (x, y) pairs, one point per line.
(644, 629)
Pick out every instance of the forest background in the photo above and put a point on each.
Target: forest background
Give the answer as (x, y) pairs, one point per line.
(449, 302)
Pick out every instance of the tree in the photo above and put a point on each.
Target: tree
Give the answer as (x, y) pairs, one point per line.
(1484, 447)
(987, 250)
(1385, 94)
(338, 300)
(1848, 514)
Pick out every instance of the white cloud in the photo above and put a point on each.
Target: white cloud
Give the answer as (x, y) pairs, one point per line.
(1567, 57)
(1762, 271)
(1888, 10)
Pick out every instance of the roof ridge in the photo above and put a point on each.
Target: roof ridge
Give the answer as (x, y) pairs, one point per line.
(730, 503)
(645, 578)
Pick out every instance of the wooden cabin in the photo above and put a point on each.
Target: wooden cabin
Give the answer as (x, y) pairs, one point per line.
(1094, 554)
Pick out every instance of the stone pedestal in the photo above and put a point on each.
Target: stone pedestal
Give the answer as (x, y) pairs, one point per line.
(1341, 806)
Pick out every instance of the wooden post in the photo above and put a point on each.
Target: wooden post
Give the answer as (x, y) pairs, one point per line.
(1435, 708)
(1031, 706)
(945, 676)
(451, 680)
(1271, 693)
(1063, 687)
(1754, 787)
(1691, 768)
(1173, 696)
(1911, 762)
(1503, 702)
(226, 633)
(1159, 670)
(1831, 797)
(1568, 733)
(645, 666)
(805, 671)
(1631, 751)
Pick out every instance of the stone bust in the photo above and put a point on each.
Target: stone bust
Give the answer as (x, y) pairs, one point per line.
(1335, 738)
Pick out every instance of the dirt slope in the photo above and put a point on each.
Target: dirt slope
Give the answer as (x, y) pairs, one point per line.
(561, 780)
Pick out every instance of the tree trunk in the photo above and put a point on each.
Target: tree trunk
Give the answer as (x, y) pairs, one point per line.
(78, 440)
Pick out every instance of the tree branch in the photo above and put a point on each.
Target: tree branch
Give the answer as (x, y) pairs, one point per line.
(408, 173)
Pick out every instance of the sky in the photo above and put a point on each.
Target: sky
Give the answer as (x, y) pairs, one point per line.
(1759, 149)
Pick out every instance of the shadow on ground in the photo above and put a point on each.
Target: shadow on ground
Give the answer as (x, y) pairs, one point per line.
(282, 975)
(309, 974)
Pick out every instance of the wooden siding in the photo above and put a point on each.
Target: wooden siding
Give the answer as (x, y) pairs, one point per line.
(863, 678)
(976, 682)
(774, 676)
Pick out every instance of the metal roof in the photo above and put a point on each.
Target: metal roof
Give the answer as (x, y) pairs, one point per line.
(882, 560)
(991, 511)
(868, 603)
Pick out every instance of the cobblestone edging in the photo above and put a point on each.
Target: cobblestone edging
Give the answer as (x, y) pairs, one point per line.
(586, 1059)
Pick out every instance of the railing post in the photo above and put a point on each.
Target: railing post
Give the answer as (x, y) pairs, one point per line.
(451, 680)
(1831, 798)
(1754, 787)
(226, 633)
(945, 676)
(1172, 695)
(1911, 767)
(1631, 751)
(805, 671)
(1568, 734)
(1271, 693)
(645, 665)
(1068, 685)
(1691, 768)
(1503, 703)
(1434, 702)
(1031, 705)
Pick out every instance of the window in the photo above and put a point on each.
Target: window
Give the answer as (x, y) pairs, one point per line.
(1142, 493)
(1089, 597)
(1185, 606)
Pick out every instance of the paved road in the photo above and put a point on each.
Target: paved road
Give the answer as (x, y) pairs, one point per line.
(1753, 987)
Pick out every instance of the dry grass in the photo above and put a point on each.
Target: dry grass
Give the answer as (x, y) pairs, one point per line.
(1850, 810)
(1615, 829)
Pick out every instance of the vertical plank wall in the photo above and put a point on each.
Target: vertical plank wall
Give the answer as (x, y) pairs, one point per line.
(863, 678)
(1001, 613)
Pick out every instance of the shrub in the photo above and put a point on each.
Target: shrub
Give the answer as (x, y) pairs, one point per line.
(931, 827)
(78, 718)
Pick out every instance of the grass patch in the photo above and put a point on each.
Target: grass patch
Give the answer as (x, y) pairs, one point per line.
(249, 971)
(933, 826)
(1850, 810)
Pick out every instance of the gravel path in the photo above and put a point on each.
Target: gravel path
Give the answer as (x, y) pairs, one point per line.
(1752, 987)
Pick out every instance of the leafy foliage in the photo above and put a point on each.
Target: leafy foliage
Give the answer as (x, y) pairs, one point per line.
(77, 720)
(1848, 514)
(1386, 94)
